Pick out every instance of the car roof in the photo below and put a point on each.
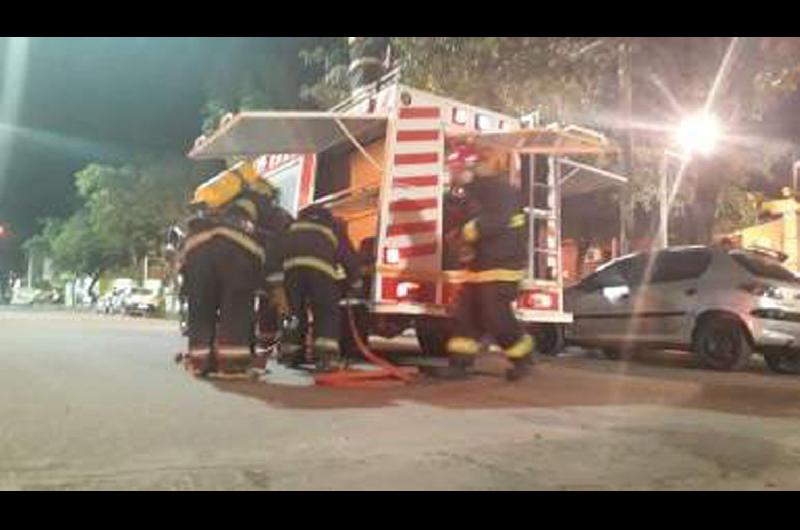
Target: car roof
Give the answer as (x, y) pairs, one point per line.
(678, 248)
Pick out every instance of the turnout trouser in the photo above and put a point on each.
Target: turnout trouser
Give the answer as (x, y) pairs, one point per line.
(484, 308)
(221, 279)
(310, 289)
(273, 307)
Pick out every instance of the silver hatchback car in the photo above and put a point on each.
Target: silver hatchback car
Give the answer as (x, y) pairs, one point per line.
(722, 305)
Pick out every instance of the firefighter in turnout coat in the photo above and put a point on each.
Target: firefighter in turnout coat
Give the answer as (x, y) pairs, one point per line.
(318, 256)
(496, 239)
(222, 262)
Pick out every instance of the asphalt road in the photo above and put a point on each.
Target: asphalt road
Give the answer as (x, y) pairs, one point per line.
(95, 402)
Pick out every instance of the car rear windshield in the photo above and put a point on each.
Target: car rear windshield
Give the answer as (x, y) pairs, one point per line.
(764, 267)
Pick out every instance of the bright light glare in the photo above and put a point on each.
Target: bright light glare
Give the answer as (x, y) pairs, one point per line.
(405, 288)
(698, 133)
(392, 256)
(11, 94)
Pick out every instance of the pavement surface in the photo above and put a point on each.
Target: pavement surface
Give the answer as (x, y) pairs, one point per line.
(95, 402)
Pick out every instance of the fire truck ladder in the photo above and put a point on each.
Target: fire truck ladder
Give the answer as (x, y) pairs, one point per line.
(544, 231)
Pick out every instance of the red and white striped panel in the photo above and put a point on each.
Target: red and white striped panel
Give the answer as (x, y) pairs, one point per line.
(265, 164)
(414, 194)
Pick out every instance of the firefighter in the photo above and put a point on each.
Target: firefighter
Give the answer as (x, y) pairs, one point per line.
(273, 306)
(318, 256)
(496, 239)
(222, 263)
(366, 257)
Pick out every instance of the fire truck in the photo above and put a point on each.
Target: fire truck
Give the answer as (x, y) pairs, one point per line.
(377, 160)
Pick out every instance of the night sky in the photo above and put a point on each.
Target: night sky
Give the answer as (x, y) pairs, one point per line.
(105, 99)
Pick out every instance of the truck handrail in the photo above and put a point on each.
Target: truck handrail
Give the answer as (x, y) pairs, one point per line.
(364, 92)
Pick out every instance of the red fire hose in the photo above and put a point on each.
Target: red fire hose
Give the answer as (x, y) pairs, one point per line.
(387, 374)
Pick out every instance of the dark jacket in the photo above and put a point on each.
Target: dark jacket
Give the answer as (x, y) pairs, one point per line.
(498, 232)
(275, 225)
(318, 241)
(245, 221)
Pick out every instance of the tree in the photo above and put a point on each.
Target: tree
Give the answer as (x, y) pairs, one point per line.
(574, 79)
(326, 65)
(76, 247)
(132, 205)
(599, 82)
(552, 74)
(253, 73)
(125, 213)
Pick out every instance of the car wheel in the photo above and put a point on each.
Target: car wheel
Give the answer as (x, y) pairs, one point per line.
(720, 343)
(783, 362)
(549, 339)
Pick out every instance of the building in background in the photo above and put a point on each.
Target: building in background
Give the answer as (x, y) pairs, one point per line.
(777, 230)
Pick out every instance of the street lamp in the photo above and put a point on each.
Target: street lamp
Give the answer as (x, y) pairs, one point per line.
(696, 134)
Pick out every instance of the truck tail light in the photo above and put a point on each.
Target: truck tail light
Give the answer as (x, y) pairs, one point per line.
(408, 291)
(539, 300)
(404, 289)
(391, 256)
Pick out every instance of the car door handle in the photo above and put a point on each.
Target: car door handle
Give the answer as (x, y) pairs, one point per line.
(690, 292)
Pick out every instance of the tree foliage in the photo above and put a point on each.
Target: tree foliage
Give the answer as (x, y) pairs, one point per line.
(326, 61)
(577, 79)
(255, 73)
(553, 74)
(126, 210)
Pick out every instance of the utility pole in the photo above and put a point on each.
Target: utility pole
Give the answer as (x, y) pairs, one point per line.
(625, 82)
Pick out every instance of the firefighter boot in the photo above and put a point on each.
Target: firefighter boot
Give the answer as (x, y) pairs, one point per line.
(292, 340)
(459, 366)
(200, 361)
(521, 357)
(463, 351)
(519, 368)
(326, 355)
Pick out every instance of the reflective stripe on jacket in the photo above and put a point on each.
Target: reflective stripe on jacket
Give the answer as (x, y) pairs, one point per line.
(315, 245)
(236, 236)
(498, 233)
